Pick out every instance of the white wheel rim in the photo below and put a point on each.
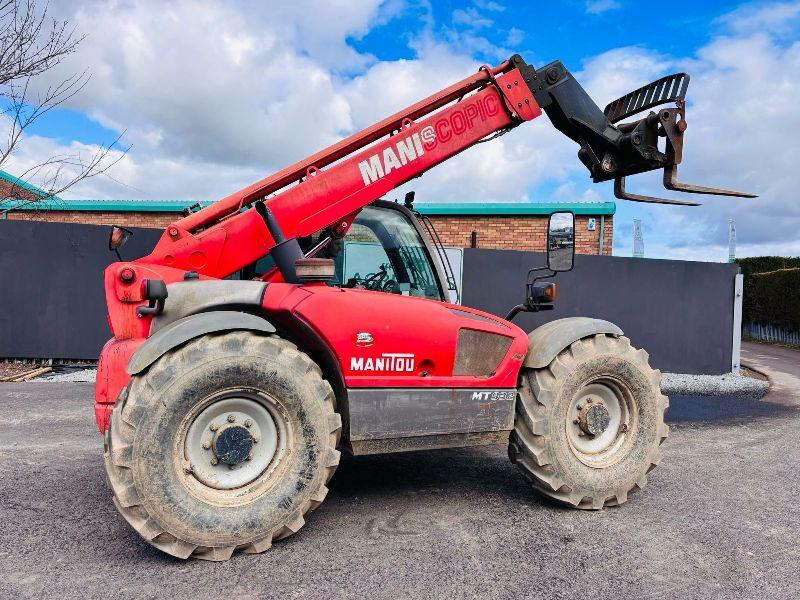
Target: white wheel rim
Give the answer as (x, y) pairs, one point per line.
(247, 415)
(610, 399)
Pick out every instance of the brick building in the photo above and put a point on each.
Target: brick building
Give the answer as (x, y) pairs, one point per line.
(507, 226)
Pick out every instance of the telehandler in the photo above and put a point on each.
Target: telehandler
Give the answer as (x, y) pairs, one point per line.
(304, 315)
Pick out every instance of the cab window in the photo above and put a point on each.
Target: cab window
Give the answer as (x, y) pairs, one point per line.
(382, 251)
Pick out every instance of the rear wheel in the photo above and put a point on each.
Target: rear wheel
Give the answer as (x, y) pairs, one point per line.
(223, 444)
(588, 427)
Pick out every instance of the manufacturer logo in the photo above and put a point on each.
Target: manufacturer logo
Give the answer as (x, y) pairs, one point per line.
(363, 339)
(452, 124)
(395, 156)
(386, 363)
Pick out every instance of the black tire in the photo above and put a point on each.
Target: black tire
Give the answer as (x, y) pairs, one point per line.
(550, 424)
(156, 489)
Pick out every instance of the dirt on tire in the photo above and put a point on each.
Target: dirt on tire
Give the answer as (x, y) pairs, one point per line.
(540, 446)
(147, 471)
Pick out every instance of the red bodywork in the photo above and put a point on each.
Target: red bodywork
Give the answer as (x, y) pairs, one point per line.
(328, 189)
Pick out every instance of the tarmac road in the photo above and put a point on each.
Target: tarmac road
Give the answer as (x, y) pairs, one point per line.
(718, 520)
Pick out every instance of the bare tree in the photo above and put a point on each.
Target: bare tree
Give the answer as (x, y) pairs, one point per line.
(31, 44)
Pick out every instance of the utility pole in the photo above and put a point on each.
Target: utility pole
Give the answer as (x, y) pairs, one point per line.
(731, 241)
(638, 239)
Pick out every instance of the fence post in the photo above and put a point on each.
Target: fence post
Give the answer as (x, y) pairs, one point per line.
(738, 290)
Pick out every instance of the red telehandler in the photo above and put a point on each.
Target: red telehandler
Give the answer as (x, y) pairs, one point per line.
(303, 315)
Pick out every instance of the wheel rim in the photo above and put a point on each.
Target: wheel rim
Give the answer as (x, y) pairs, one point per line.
(234, 440)
(601, 422)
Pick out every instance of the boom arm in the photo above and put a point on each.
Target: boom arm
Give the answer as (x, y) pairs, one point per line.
(330, 187)
(316, 193)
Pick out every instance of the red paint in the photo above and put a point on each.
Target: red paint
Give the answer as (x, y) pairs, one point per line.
(111, 376)
(327, 189)
(400, 326)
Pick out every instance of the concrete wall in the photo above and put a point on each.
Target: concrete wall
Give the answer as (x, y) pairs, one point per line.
(52, 303)
(680, 312)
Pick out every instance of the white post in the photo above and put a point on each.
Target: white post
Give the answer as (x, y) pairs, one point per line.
(738, 292)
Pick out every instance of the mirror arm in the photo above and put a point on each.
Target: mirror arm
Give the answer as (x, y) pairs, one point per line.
(515, 311)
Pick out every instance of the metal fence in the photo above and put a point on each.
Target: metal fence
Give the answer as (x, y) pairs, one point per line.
(770, 333)
(52, 304)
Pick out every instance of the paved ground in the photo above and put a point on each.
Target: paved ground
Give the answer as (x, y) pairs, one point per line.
(718, 520)
(780, 364)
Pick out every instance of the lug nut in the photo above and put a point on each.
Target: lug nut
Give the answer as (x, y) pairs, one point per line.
(213, 427)
(576, 422)
(231, 418)
(206, 445)
(248, 423)
(255, 440)
(214, 461)
(579, 407)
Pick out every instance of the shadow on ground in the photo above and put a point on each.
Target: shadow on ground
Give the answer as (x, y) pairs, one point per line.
(723, 409)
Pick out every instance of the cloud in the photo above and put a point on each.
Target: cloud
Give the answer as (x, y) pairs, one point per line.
(471, 18)
(779, 18)
(514, 37)
(597, 7)
(216, 95)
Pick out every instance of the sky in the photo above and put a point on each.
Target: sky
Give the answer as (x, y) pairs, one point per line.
(212, 96)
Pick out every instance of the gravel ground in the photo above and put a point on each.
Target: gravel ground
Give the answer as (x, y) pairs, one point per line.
(672, 383)
(81, 375)
(715, 521)
(713, 385)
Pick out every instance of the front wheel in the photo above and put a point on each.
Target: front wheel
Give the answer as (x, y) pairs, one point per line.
(223, 444)
(588, 427)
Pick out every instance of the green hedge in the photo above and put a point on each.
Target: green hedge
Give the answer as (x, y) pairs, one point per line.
(764, 264)
(751, 267)
(773, 298)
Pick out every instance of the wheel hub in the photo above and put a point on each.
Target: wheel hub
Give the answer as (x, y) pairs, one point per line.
(232, 444)
(593, 417)
(232, 441)
(599, 422)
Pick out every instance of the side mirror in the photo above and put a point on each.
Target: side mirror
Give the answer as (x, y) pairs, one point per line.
(561, 242)
(117, 238)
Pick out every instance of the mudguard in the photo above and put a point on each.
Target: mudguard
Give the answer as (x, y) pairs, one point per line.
(195, 296)
(545, 342)
(187, 328)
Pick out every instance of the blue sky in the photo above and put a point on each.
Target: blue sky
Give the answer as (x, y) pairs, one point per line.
(212, 96)
(568, 30)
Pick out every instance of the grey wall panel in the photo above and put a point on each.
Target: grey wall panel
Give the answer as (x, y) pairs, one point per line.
(52, 305)
(681, 312)
(51, 287)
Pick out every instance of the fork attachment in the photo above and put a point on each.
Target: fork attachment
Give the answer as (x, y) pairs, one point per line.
(612, 149)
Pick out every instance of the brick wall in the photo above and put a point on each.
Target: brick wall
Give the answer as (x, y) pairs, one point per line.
(9, 190)
(157, 220)
(518, 232)
(494, 232)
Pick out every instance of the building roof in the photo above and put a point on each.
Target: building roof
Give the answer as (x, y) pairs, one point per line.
(15, 181)
(516, 208)
(454, 209)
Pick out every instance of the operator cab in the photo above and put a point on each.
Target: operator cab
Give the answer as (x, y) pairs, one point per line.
(385, 251)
